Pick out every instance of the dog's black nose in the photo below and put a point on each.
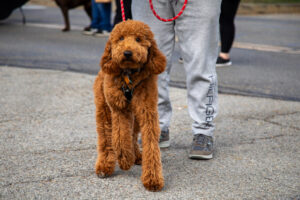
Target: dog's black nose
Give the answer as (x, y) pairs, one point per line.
(127, 54)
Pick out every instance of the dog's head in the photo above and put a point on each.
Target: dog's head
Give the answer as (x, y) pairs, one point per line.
(131, 45)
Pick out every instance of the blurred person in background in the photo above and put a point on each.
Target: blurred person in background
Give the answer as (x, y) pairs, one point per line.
(101, 12)
(227, 30)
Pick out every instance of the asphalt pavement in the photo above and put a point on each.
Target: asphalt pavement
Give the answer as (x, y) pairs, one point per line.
(48, 145)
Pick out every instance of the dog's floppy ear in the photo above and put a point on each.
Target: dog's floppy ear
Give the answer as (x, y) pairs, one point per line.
(157, 61)
(107, 65)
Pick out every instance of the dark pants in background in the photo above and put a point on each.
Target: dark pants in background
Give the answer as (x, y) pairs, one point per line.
(101, 13)
(127, 9)
(227, 28)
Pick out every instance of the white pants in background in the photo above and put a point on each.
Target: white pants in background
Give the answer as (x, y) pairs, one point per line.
(198, 33)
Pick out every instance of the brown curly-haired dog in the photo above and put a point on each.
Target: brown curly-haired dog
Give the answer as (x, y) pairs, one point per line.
(126, 103)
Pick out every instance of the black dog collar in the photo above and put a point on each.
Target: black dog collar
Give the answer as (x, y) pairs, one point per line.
(127, 87)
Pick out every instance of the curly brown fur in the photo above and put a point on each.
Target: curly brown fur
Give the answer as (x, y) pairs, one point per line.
(118, 120)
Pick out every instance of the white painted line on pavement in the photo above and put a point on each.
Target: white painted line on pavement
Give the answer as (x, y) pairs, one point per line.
(33, 7)
(53, 26)
(240, 45)
(262, 47)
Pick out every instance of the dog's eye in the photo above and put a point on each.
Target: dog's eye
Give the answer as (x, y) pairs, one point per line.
(138, 39)
(121, 38)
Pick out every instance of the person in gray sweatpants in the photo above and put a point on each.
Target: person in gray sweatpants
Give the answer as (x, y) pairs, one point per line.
(197, 30)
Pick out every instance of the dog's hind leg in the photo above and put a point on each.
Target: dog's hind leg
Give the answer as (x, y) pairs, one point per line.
(106, 159)
(122, 131)
(138, 155)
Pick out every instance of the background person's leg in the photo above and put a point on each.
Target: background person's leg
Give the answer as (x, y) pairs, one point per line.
(105, 12)
(118, 16)
(165, 38)
(95, 16)
(227, 28)
(198, 33)
(127, 9)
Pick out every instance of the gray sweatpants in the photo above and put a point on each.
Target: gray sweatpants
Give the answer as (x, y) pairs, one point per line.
(198, 33)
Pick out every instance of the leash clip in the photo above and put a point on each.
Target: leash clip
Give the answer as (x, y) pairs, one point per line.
(128, 88)
(128, 93)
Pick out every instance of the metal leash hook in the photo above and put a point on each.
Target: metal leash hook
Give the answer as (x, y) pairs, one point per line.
(128, 93)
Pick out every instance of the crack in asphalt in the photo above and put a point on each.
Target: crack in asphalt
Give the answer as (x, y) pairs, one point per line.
(274, 181)
(253, 140)
(269, 118)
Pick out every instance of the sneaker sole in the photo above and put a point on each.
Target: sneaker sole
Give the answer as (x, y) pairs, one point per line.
(87, 33)
(164, 144)
(224, 64)
(201, 157)
(101, 35)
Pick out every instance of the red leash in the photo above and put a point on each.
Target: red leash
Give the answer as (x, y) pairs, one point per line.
(171, 19)
(123, 12)
(155, 14)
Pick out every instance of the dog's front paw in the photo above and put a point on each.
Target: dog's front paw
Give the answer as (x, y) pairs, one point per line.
(103, 171)
(101, 174)
(153, 184)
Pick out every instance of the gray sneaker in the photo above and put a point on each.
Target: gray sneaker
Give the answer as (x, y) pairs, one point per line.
(164, 140)
(202, 147)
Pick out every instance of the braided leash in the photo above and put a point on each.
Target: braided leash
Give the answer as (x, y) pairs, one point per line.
(155, 14)
(171, 19)
(122, 9)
